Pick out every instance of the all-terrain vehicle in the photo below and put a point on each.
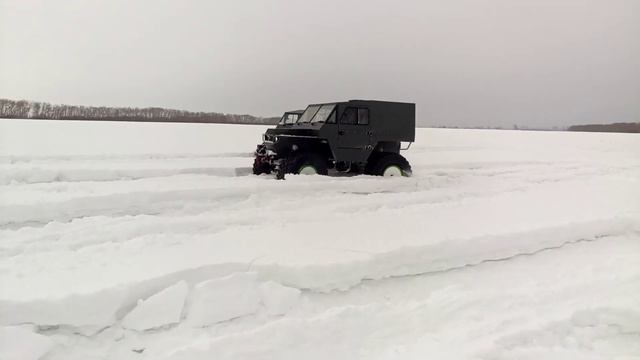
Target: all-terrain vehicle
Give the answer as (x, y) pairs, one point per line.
(355, 136)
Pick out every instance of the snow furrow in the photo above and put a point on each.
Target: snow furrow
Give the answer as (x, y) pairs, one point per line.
(45, 159)
(13, 216)
(93, 311)
(43, 176)
(149, 202)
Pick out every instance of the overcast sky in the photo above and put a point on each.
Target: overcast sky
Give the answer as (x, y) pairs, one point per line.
(463, 62)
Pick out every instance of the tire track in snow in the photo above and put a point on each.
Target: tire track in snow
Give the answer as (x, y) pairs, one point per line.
(154, 202)
(16, 216)
(169, 220)
(125, 204)
(505, 258)
(49, 176)
(17, 159)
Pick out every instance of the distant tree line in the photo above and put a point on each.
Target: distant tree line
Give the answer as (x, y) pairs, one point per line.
(23, 109)
(617, 127)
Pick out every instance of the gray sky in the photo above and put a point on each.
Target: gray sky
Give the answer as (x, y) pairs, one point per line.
(463, 62)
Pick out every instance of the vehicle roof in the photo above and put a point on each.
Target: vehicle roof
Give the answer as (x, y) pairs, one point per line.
(362, 101)
(380, 101)
(299, 112)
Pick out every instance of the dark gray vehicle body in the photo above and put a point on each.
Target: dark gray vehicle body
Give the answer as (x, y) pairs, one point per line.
(339, 139)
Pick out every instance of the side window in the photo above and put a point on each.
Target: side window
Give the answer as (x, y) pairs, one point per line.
(349, 116)
(332, 118)
(363, 116)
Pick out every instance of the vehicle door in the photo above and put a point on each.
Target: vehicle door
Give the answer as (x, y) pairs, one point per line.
(354, 135)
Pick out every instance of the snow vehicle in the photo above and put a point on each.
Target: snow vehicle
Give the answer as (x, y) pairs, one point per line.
(355, 136)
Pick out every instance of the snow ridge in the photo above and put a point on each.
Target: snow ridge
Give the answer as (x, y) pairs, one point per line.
(93, 311)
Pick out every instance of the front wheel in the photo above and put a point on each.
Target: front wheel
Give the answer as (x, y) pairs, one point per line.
(389, 165)
(307, 164)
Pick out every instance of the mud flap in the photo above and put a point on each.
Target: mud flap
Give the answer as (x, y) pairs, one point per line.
(280, 168)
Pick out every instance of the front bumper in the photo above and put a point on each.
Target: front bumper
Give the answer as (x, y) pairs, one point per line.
(266, 157)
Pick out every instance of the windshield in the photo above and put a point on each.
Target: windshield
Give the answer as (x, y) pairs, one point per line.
(289, 118)
(323, 114)
(317, 113)
(308, 114)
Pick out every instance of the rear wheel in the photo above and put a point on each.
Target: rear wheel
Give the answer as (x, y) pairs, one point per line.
(307, 164)
(308, 170)
(389, 165)
(392, 170)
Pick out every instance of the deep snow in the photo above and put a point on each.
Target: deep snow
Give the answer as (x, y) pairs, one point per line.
(153, 241)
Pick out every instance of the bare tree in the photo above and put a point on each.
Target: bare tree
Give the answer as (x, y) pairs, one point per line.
(23, 109)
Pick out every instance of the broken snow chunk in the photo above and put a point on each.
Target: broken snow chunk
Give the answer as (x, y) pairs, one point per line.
(278, 299)
(20, 343)
(223, 299)
(161, 309)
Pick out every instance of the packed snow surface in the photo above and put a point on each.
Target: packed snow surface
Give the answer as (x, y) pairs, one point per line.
(22, 343)
(153, 241)
(161, 309)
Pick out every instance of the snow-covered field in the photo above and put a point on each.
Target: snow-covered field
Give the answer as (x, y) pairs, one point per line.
(152, 241)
